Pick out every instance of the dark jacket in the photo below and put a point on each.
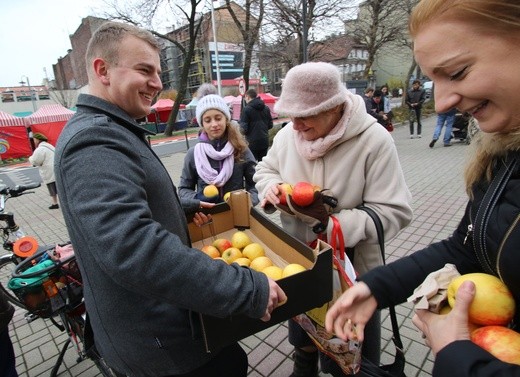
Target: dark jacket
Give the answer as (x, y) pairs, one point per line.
(143, 284)
(191, 185)
(415, 96)
(393, 284)
(6, 312)
(256, 121)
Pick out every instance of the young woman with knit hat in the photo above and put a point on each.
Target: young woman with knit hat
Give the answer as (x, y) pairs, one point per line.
(43, 158)
(221, 157)
(332, 142)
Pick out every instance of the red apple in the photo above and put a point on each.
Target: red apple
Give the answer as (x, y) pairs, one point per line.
(500, 341)
(284, 189)
(210, 250)
(303, 194)
(222, 244)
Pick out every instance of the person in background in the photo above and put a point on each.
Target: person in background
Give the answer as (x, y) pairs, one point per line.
(444, 119)
(380, 110)
(367, 97)
(386, 101)
(144, 285)
(448, 37)
(220, 158)
(43, 158)
(255, 122)
(8, 360)
(415, 97)
(333, 143)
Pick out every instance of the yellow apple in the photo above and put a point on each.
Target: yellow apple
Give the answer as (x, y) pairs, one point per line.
(292, 269)
(253, 250)
(220, 258)
(210, 191)
(222, 244)
(242, 261)
(231, 254)
(500, 341)
(285, 189)
(240, 240)
(493, 303)
(260, 263)
(210, 250)
(274, 272)
(226, 196)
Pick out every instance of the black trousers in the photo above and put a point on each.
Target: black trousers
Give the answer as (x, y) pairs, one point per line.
(229, 362)
(7, 358)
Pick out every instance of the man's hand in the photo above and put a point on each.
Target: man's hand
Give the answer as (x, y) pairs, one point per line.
(277, 297)
(441, 330)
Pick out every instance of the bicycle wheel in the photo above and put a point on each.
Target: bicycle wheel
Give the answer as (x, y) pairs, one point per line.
(7, 264)
(75, 325)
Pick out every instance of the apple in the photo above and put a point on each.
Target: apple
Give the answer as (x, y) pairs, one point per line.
(493, 303)
(231, 254)
(274, 272)
(303, 193)
(242, 261)
(226, 196)
(284, 189)
(253, 250)
(240, 239)
(292, 269)
(222, 244)
(210, 250)
(260, 263)
(210, 191)
(500, 341)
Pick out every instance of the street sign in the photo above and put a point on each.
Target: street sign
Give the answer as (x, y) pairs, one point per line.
(242, 87)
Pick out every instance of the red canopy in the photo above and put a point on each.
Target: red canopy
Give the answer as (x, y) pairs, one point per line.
(163, 104)
(10, 120)
(49, 114)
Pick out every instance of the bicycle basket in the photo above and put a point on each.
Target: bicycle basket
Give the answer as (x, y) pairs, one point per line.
(46, 293)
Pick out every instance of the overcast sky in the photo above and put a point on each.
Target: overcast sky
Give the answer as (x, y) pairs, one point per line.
(35, 33)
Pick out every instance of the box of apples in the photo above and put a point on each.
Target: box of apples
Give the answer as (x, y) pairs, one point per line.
(240, 233)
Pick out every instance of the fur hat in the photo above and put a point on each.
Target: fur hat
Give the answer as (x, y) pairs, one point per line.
(209, 102)
(311, 88)
(39, 136)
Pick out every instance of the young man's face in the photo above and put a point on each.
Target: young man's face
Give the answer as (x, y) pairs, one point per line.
(134, 81)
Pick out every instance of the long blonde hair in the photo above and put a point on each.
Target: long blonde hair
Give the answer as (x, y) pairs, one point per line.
(501, 18)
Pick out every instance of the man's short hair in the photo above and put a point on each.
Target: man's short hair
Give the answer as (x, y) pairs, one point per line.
(251, 93)
(416, 82)
(106, 40)
(377, 93)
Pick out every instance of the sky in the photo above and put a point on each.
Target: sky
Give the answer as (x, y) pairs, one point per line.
(35, 33)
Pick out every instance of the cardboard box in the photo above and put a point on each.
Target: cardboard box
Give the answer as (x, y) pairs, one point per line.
(305, 290)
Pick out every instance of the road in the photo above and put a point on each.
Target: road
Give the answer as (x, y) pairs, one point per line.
(20, 175)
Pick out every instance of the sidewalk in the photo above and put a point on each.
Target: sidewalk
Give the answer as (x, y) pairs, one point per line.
(435, 179)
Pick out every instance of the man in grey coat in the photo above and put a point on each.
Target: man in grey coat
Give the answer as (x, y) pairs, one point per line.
(144, 285)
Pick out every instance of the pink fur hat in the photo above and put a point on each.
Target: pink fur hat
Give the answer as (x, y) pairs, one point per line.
(311, 88)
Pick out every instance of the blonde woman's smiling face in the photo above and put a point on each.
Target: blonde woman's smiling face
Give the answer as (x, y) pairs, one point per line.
(473, 71)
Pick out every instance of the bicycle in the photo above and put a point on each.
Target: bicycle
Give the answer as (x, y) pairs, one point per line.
(38, 280)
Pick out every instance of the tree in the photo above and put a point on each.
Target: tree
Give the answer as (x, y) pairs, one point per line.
(283, 30)
(249, 28)
(379, 23)
(150, 14)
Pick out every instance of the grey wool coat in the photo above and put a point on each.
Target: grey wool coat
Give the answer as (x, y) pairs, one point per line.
(131, 240)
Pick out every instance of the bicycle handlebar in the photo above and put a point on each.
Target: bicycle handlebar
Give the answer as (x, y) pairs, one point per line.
(19, 271)
(19, 189)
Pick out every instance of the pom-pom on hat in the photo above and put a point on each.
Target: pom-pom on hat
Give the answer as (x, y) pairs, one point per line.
(311, 88)
(209, 102)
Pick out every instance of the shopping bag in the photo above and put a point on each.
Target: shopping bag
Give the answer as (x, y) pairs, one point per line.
(347, 354)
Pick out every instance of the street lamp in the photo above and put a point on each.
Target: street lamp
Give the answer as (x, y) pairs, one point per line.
(30, 91)
(219, 84)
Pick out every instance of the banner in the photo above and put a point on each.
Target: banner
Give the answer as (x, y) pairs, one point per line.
(14, 142)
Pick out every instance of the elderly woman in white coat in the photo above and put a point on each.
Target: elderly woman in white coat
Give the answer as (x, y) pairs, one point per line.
(43, 158)
(333, 143)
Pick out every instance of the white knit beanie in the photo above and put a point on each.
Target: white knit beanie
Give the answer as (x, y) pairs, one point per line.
(311, 88)
(211, 101)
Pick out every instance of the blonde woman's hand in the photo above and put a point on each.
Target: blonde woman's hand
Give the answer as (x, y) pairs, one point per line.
(349, 315)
